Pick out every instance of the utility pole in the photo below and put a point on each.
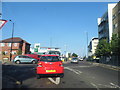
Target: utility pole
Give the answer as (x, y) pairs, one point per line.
(11, 40)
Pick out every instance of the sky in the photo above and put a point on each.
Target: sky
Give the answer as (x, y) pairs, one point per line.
(56, 24)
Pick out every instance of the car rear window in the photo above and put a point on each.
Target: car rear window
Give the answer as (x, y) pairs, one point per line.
(75, 58)
(50, 58)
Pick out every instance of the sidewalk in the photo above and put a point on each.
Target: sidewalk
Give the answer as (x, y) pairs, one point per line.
(105, 66)
(5, 62)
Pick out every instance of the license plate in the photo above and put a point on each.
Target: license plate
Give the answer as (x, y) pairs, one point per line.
(50, 70)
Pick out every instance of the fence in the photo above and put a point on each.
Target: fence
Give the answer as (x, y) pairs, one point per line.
(113, 60)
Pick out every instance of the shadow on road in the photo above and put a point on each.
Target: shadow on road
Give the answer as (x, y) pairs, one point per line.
(17, 73)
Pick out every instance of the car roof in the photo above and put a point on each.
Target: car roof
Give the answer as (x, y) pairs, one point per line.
(49, 55)
(30, 54)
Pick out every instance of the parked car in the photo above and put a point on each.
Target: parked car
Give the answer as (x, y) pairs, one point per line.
(75, 60)
(49, 65)
(24, 59)
(35, 56)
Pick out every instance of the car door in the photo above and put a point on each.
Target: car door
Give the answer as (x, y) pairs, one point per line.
(28, 59)
(22, 58)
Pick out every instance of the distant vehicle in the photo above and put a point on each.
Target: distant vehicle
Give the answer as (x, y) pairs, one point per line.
(75, 60)
(80, 59)
(24, 59)
(62, 59)
(54, 53)
(49, 65)
(35, 56)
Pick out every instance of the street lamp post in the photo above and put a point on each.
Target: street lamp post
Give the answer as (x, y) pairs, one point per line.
(12, 40)
(87, 44)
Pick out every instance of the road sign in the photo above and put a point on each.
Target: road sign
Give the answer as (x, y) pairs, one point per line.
(2, 23)
(35, 49)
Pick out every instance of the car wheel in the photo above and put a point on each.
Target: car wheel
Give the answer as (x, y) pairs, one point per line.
(17, 62)
(33, 62)
(38, 76)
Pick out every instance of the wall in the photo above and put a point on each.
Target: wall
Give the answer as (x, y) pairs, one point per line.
(7, 48)
(110, 8)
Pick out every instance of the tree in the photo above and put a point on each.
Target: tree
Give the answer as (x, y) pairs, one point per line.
(19, 52)
(3, 53)
(115, 44)
(69, 54)
(74, 55)
(84, 57)
(103, 48)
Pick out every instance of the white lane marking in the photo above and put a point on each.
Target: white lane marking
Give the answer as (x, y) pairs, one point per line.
(73, 70)
(106, 86)
(78, 71)
(95, 86)
(116, 86)
(83, 66)
(57, 81)
(80, 66)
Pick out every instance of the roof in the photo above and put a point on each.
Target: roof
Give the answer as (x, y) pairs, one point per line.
(94, 38)
(15, 40)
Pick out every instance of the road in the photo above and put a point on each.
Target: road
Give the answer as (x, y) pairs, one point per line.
(82, 75)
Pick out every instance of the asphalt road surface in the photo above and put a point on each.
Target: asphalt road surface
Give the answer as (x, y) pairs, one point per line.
(81, 75)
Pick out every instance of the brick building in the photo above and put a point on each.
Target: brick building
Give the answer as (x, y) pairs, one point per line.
(18, 45)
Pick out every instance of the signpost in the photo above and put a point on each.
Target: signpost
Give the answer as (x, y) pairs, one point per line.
(36, 47)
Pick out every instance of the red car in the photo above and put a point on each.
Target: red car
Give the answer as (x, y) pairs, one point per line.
(35, 56)
(49, 65)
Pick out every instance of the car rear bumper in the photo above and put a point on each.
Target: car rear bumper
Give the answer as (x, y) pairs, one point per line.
(74, 62)
(57, 74)
(42, 70)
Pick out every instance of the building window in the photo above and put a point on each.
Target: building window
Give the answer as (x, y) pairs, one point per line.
(114, 16)
(15, 44)
(9, 44)
(6, 52)
(14, 52)
(2, 44)
(115, 26)
(119, 12)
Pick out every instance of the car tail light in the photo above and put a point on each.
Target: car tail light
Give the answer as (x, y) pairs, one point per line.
(61, 64)
(39, 65)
